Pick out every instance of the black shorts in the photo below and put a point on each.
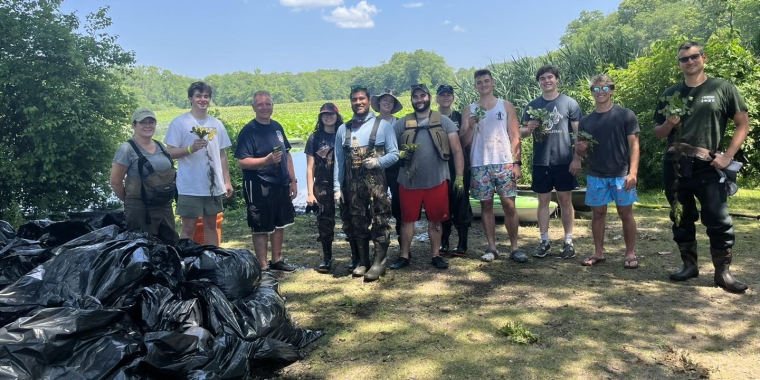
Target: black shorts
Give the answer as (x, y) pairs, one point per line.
(546, 178)
(269, 206)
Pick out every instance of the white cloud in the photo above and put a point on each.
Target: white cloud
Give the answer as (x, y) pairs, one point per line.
(412, 5)
(356, 17)
(298, 4)
(459, 29)
(446, 22)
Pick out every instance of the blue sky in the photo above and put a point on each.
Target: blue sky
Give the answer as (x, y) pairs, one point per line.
(199, 38)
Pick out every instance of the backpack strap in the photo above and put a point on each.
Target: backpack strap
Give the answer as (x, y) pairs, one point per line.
(143, 162)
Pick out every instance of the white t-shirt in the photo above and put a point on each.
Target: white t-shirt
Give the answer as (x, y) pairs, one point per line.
(193, 169)
(490, 140)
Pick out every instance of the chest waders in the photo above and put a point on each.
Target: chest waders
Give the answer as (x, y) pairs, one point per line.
(366, 202)
(323, 192)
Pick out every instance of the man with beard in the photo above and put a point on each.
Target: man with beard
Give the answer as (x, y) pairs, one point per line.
(424, 175)
(694, 163)
(459, 206)
(365, 147)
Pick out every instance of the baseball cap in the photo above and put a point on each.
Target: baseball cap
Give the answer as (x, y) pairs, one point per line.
(420, 86)
(143, 113)
(328, 108)
(444, 88)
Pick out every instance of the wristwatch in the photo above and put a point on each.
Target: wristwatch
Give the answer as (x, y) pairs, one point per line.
(518, 162)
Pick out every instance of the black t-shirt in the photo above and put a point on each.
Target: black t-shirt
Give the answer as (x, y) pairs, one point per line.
(258, 140)
(319, 141)
(712, 104)
(611, 156)
(456, 117)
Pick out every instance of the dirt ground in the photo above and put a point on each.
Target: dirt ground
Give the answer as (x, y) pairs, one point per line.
(601, 322)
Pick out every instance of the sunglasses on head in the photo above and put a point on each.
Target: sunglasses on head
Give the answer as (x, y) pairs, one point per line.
(359, 87)
(603, 88)
(692, 57)
(420, 86)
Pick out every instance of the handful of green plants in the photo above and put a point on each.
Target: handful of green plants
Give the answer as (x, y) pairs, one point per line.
(203, 132)
(585, 136)
(543, 116)
(675, 105)
(479, 114)
(407, 154)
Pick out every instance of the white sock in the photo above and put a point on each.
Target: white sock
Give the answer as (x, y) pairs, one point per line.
(545, 236)
(569, 238)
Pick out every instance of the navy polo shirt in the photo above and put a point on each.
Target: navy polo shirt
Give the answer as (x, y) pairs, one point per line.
(258, 140)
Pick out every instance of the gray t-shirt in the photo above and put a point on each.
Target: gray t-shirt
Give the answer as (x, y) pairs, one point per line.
(556, 148)
(429, 170)
(610, 157)
(126, 156)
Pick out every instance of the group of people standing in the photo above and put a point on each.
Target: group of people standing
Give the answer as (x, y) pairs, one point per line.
(438, 159)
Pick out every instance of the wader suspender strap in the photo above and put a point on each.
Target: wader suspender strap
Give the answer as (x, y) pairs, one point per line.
(372, 135)
(142, 161)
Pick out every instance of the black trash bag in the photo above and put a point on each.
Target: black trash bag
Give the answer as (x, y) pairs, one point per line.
(102, 218)
(235, 272)
(109, 271)
(67, 343)
(20, 256)
(271, 355)
(160, 310)
(218, 314)
(53, 234)
(264, 316)
(6, 233)
(165, 259)
(231, 359)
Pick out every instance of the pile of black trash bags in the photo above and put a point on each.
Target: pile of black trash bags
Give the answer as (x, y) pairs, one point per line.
(89, 300)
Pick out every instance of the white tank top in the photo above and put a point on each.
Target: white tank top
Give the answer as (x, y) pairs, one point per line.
(490, 140)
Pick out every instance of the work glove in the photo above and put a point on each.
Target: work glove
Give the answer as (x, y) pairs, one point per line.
(338, 196)
(371, 163)
(459, 186)
(406, 155)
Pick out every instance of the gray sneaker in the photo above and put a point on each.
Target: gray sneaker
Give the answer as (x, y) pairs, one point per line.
(543, 249)
(568, 251)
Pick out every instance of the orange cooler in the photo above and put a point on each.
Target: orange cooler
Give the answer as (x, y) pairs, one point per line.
(199, 237)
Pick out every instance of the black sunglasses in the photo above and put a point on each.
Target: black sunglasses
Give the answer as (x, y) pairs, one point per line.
(692, 57)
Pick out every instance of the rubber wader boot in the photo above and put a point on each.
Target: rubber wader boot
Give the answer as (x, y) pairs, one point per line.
(721, 259)
(327, 260)
(461, 248)
(354, 255)
(378, 267)
(445, 234)
(689, 256)
(362, 246)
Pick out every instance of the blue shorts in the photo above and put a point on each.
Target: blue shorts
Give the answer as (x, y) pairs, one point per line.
(602, 191)
(546, 178)
(487, 180)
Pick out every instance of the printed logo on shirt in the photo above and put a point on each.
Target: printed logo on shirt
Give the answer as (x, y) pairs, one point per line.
(708, 99)
(556, 117)
(499, 116)
(280, 137)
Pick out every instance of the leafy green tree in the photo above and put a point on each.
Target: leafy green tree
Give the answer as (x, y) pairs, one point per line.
(63, 108)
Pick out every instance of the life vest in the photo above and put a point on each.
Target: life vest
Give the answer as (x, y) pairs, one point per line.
(435, 128)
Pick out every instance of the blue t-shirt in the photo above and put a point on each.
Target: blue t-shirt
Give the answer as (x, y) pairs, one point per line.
(258, 140)
(556, 148)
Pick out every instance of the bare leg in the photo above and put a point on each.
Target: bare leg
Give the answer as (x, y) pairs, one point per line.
(511, 222)
(542, 212)
(434, 232)
(565, 199)
(277, 238)
(260, 248)
(407, 232)
(629, 230)
(486, 215)
(597, 229)
(210, 236)
(188, 228)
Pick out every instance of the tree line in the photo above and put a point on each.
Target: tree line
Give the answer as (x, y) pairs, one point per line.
(67, 88)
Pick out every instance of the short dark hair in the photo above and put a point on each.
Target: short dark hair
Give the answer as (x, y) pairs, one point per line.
(481, 72)
(547, 69)
(201, 87)
(690, 44)
(358, 88)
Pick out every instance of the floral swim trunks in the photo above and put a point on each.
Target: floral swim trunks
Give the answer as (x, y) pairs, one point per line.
(488, 180)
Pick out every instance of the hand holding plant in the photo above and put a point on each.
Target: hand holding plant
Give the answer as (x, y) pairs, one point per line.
(479, 114)
(676, 107)
(542, 116)
(203, 132)
(587, 138)
(407, 152)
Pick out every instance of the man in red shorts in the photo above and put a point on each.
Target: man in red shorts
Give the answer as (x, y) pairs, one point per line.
(424, 175)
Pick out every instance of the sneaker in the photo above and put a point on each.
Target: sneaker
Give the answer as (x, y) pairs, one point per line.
(281, 265)
(543, 249)
(519, 256)
(490, 255)
(439, 262)
(400, 263)
(568, 251)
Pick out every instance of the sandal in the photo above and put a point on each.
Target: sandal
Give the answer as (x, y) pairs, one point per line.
(591, 261)
(490, 255)
(631, 263)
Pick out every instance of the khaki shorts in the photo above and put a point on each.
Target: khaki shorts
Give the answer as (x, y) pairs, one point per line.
(191, 206)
